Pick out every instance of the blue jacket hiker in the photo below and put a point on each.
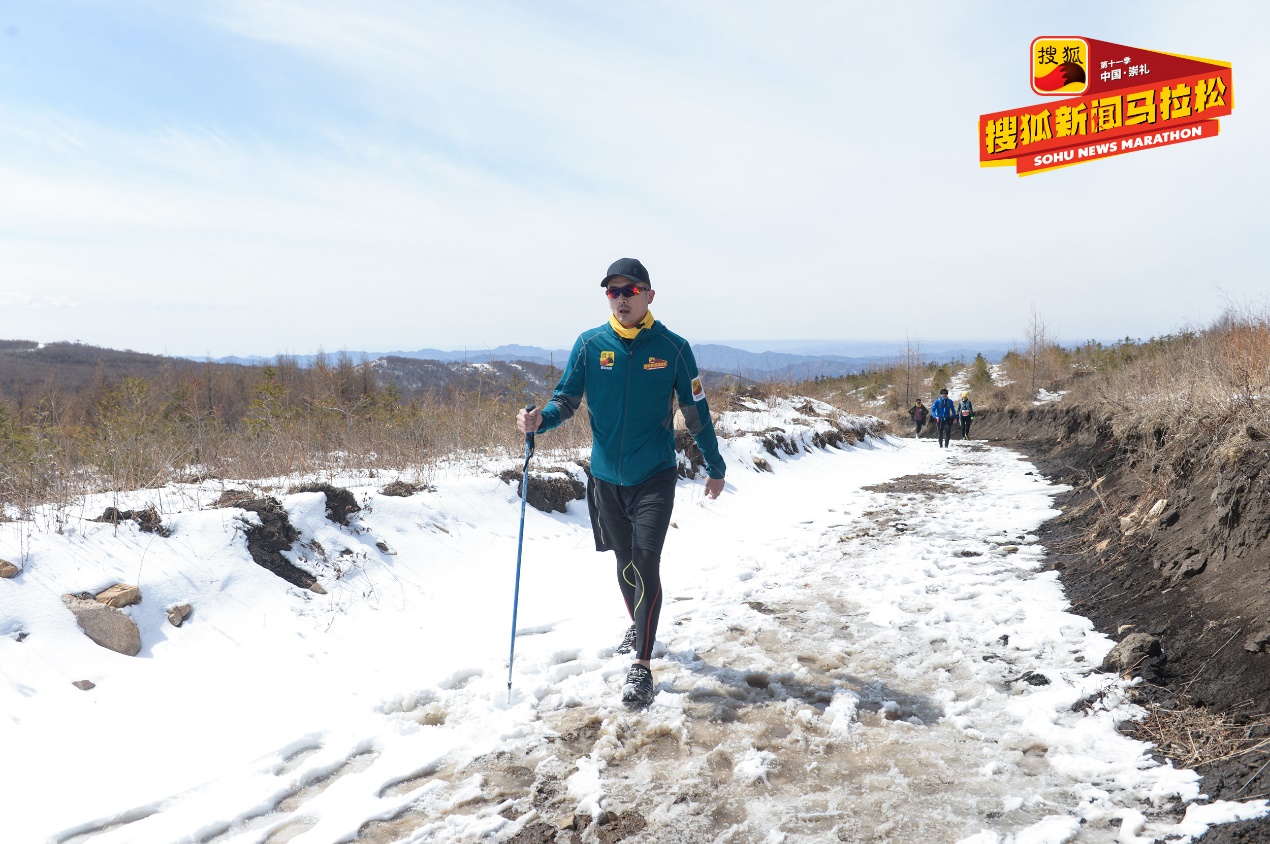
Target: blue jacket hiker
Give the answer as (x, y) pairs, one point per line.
(633, 371)
(942, 407)
(943, 411)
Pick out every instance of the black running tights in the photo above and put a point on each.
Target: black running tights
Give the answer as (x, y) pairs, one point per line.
(634, 520)
(945, 431)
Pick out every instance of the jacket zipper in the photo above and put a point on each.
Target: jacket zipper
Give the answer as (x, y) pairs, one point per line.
(626, 404)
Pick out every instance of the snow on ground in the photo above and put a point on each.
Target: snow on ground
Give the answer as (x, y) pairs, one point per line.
(959, 383)
(860, 643)
(1044, 396)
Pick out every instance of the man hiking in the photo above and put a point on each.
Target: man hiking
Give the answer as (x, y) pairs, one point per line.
(918, 414)
(942, 410)
(633, 371)
(966, 414)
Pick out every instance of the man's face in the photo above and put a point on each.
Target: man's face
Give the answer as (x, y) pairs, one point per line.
(629, 310)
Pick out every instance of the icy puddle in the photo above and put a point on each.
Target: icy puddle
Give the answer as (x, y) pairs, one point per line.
(858, 644)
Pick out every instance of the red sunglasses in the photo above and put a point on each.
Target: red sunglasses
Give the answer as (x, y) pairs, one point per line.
(625, 292)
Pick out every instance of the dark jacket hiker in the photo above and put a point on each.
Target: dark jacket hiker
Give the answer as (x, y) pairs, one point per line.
(918, 413)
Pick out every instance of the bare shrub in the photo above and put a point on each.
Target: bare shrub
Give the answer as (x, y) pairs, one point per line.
(281, 420)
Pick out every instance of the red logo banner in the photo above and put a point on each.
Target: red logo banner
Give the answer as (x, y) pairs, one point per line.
(1128, 94)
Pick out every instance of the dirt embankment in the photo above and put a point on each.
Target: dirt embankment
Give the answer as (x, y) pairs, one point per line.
(1169, 538)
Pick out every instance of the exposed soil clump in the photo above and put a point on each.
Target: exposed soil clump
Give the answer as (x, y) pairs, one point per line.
(148, 520)
(550, 488)
(275, 534)
(776, 438)
(234, 498)
(693, 459)
(914, 485)
(402, 489)
(621, 826)
(537, 832)
(1163, 538)
(340, 503)
(834, 438)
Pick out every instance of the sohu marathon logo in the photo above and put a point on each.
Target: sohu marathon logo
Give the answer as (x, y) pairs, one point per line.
(1118, 99)
(1059, 66)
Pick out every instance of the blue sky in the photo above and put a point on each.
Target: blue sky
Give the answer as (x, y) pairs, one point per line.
(274, 175)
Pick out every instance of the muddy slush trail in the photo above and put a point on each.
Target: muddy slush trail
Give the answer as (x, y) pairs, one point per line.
(809, 713)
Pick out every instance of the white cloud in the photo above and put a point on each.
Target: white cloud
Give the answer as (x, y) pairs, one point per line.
(25, 300)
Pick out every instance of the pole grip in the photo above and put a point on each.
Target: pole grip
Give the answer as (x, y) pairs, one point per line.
(529, 438)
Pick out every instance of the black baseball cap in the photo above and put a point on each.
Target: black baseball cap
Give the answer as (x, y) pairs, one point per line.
(628, 268)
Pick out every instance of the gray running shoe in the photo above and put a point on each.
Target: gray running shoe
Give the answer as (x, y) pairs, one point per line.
(638, 691)
(628, 641)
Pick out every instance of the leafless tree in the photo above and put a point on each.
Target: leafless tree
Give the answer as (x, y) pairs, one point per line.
(912, 370)
(1038, 343)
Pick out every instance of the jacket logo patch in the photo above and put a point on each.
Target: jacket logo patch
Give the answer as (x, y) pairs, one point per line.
(698, 391)
(655, 363)
(606, 360)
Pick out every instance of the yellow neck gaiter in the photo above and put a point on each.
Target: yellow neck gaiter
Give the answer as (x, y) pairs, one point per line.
(632, 332)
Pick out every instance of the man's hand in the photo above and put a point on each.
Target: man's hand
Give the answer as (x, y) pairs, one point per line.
(714, 487)
(529, 421)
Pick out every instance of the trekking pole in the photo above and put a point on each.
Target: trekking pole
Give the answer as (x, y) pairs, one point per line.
(520, 541)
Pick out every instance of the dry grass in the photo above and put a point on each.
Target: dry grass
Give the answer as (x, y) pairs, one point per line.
(1217, 379)
(1195, 736)
(1222, 371)
(141, 433)
(1211, 386)
(270, 423)
(333, 419)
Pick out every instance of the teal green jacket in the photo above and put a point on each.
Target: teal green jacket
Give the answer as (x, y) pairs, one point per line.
(631, 387)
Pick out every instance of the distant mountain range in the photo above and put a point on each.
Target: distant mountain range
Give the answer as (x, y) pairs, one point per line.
(415, 375)
(521, 378)
(27, 367)
(801, 359)
(532, 354)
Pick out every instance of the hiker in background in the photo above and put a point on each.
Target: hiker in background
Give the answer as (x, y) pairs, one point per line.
(633, 372)
(918, 413)
(965, 413)
(943, 411)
